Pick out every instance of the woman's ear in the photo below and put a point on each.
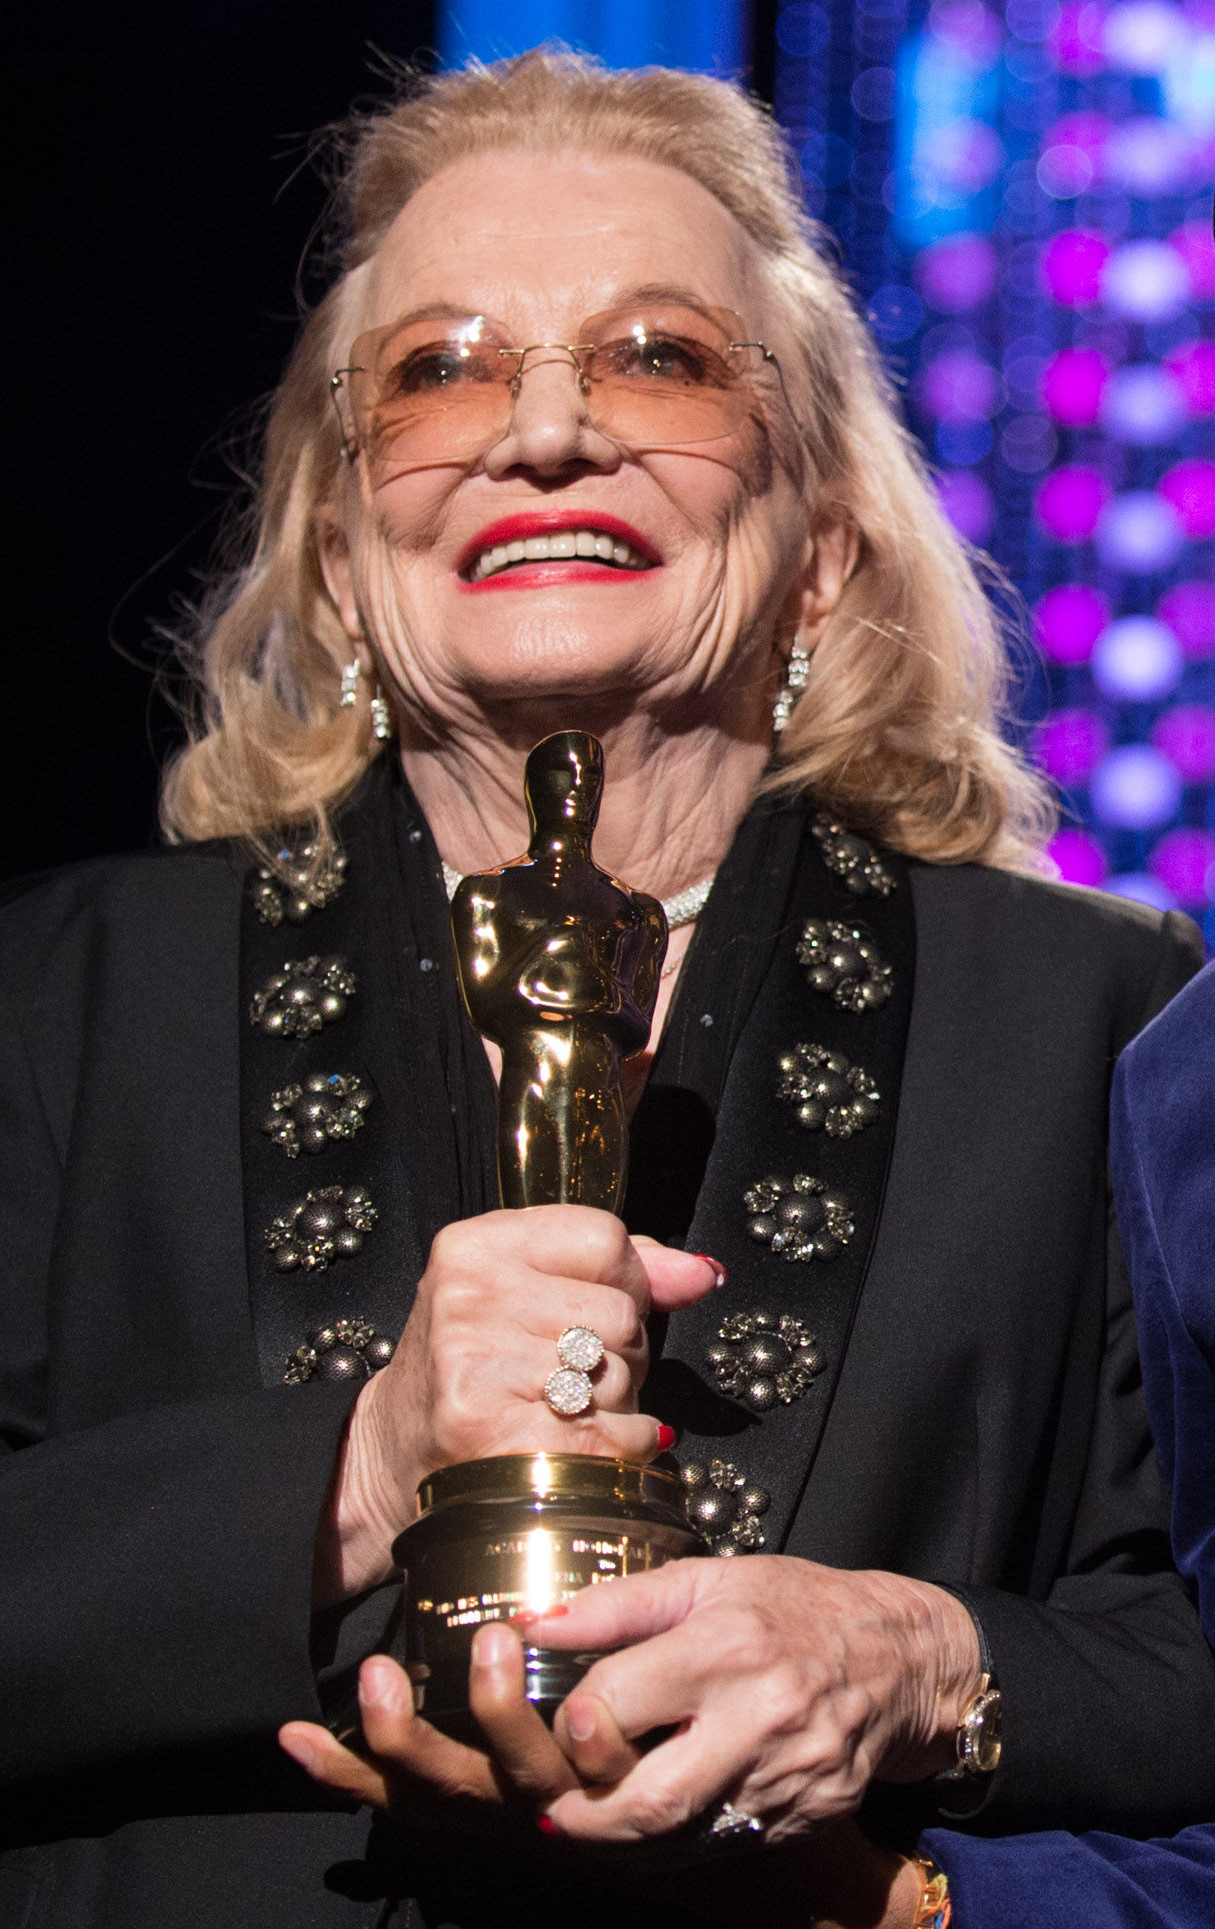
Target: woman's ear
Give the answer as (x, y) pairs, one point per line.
(333, 554)
(832, 553)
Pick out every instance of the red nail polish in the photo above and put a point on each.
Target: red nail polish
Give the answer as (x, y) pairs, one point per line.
(666, 1437)
(546, 1825)
(527, 1617)
(719, 1271)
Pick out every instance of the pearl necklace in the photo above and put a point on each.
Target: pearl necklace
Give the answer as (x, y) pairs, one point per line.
(684, 907)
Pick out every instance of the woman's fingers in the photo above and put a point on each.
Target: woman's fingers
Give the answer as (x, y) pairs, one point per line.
(679, 1279)
(631, 1609)
(320, 1756)
(668, 1788)
(468, 1377)
(400, 1740)
(523, 1748)
(590, 1736)
(583, 1243)
(411, 1760)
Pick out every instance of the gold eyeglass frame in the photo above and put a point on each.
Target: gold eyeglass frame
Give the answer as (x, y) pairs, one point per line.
(350, 448)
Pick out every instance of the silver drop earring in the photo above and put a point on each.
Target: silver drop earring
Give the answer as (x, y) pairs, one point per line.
(381, 716)
(797, 673)
(350, 684)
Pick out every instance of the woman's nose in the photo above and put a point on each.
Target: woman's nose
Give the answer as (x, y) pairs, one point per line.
(550, 426)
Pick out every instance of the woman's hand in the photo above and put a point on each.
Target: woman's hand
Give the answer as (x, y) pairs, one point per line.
(467, 1379)
(832, 1875)
(790, 1687)
(406, 1765)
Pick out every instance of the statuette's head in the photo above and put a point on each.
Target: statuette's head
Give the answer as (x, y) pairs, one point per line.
(564, 781)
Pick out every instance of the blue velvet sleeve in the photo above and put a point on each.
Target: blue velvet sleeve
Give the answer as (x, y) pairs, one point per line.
(1058, 1881)
(1162, 1147)
(1163, 1156)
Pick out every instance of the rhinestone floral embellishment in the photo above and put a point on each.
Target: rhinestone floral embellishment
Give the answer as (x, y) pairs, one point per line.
(800, 1218)
(830, 1094)
(328, 1223)
(854, 862)
(724, 1505)
(348, 1349)
(763, 1357)
(843, 963)
(303, 997)
(296, 886)
(308, 1117)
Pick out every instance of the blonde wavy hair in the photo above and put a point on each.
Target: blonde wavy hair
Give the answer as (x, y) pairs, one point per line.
(899, 727)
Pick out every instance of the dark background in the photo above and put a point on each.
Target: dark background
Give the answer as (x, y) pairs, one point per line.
(160, 201)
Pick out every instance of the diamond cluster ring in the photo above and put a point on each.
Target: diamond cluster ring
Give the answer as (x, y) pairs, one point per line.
(568, 1389)
(727, 1824)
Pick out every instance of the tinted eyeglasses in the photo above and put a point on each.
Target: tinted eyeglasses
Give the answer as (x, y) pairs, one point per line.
(654, 376)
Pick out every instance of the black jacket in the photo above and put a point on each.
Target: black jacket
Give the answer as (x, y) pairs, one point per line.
(158, 1502)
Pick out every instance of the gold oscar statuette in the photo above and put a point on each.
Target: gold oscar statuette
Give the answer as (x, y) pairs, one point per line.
(559, 965)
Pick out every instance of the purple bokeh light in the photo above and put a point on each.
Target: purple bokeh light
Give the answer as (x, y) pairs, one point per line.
(1189, 610)
(1189, 489)
(1135, 788)
(1085, 130)
(1076, 41)
(1144, 405)
(1069, 744)
(1070, 502)
(1147, 157)
(1137, 660)
(1183, 862)
(1193, 365)
(960, 387)
(1141, 36)
(1064, 172)
(958, 273)
(969, 504)
(1186, 735)
(1068, 620)
(1195, 247)
(1100, 211)
(1073, 384)
(1028, 444)
(1146, 281)
(969, 29)
(895, 313)
(963, 155)
(1073, 266)
(1139, 532)
(1142, 888)
(1078, 858)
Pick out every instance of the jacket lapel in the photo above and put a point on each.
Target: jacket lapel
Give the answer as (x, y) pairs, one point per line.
(759, 1137)
(420, 1153)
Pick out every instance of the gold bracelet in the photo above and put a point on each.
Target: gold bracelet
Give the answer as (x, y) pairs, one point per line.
(935, 1909)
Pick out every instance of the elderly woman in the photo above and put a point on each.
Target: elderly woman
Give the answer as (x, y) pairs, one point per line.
(586, 434)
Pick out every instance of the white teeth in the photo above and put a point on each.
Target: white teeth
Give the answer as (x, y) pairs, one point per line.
(562, 546)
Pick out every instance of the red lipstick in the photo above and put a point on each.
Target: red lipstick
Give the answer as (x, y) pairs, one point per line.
(549, 522)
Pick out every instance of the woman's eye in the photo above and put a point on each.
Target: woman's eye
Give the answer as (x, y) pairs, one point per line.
(435, 368)
(664, 358)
